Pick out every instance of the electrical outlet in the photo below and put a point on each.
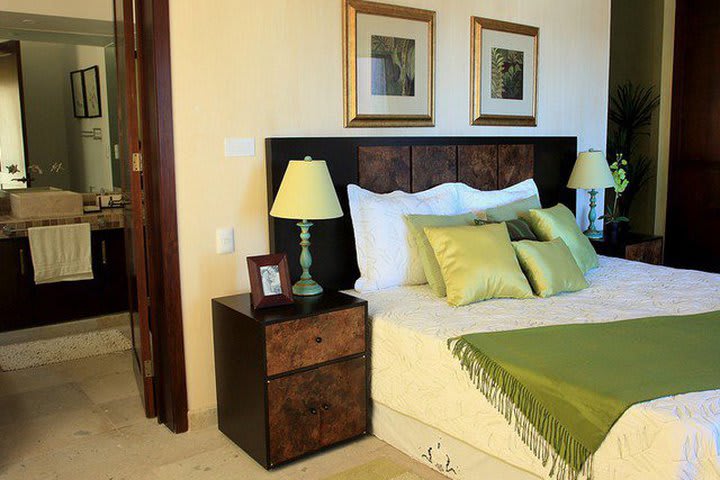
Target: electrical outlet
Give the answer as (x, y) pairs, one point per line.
(225, 240)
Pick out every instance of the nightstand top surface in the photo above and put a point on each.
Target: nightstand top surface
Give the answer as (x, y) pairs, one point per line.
(630, 239)
(328, 301)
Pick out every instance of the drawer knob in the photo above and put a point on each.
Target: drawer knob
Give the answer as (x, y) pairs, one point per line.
(326, 406)
(318, 339)
(313, 410)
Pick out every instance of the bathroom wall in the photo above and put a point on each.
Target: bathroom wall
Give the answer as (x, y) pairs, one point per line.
(11, 137)
(54, 135)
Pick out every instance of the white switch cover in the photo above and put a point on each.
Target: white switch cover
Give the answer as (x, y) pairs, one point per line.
(240, 147)
(225, 240)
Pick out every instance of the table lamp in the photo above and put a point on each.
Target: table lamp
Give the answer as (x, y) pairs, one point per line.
(591, 171)
(306, 193)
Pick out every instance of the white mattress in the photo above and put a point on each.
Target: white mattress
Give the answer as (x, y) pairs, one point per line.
(414, 373)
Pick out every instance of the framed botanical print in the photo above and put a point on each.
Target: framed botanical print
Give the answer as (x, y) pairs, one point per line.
(388, 65)
(77, 87)
(91, 77)
(503, 71)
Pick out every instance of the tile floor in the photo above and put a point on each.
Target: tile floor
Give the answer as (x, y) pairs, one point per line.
(83, 420)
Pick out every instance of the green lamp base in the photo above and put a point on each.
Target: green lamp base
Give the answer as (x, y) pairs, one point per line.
(306, 286)
(592, 232)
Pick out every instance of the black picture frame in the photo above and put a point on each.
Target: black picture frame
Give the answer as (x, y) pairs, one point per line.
(77, 89)
(91, 89)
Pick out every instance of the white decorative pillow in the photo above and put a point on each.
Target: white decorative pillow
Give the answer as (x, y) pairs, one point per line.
(386, 254)
(477, 201)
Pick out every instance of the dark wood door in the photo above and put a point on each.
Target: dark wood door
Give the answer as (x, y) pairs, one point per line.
(128, 51)
(293, 416)
(693, 210)
(15, 283)
(343, 401)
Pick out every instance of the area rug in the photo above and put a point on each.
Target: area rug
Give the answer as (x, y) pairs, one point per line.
(61, 349)
(380, 469)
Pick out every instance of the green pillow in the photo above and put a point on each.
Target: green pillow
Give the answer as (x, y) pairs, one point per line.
(550, 267)
(478, 263)
(416, 225)
(518, 229)
(513, 210)
(559, 221)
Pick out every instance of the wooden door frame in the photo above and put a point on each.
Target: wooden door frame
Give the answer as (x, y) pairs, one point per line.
(161, 207)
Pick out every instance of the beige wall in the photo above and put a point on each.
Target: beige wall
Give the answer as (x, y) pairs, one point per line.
(641, 51)
(666, 79)
(273, 68)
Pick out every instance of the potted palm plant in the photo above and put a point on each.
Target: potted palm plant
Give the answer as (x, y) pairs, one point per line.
(631, 112)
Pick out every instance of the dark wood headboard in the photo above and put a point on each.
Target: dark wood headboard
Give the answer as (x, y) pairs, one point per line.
(411, 164)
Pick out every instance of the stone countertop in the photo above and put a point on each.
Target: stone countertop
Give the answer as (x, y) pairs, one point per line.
(11, 227)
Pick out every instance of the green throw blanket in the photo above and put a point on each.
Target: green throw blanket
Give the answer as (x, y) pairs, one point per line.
(570, 383)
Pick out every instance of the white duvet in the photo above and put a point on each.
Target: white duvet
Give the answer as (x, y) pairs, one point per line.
(414, 373)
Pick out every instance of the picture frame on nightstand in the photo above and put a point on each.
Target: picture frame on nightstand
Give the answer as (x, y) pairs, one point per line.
(269, 280)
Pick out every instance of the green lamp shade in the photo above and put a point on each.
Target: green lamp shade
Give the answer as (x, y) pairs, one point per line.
(591, 171)
(306, 192)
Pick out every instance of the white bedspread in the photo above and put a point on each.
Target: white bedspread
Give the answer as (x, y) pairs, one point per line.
(414, 373)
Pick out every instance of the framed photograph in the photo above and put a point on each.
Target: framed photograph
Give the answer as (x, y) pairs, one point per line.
(269, 280)
(388, 65)
(91, 79)
(77, 87)
(503, 71)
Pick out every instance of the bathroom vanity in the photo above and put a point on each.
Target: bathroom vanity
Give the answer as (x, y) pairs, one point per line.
(24, 304)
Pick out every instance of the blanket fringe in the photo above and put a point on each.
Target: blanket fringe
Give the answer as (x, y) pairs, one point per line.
(548, 439)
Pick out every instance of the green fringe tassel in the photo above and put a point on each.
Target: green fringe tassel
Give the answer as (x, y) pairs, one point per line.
(544, 434)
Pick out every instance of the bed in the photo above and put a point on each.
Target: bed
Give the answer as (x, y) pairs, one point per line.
(423, 402)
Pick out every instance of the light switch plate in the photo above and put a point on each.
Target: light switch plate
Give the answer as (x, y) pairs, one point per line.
(240, 147)
(225, 240)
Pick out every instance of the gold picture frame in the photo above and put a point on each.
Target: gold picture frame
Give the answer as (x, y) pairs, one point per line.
(479, 115)
(352, 115)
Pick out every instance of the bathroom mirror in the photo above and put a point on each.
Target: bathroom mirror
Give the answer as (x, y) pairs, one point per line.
(58, 128)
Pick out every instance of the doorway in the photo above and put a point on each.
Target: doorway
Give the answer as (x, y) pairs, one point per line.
(126, 87)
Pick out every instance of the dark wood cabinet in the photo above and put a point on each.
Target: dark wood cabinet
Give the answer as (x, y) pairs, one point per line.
(636, 247)
(25, 304)
(291, 380)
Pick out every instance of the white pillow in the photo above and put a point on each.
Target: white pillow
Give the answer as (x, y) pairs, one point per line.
(477, 201)
(386, 255)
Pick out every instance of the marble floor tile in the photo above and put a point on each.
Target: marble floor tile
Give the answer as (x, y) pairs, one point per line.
(83, 420)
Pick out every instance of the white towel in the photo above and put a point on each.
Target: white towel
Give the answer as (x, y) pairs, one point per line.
(61, 253)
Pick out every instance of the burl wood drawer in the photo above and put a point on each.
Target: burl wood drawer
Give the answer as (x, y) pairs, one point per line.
(316, 408)
(646, 252)
(308, 341)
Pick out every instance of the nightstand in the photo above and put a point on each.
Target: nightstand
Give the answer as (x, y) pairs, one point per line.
(637, 247)
(291, 380)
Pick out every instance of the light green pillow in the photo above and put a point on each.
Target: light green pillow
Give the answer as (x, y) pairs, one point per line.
(478, 263)
(513, 210)
(559, 221)
(416, 225)
(550, 267)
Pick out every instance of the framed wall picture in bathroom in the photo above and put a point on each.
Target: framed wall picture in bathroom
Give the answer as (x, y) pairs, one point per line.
(78, 94)
(91, 80)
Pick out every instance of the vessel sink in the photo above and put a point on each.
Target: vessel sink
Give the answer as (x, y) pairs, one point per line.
(44, 202)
